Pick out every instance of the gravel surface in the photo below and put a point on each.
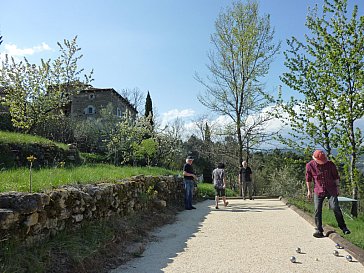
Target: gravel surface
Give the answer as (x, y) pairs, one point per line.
(248, 236)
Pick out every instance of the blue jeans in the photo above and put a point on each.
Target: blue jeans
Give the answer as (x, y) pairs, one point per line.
(334, 205)
(189, 185)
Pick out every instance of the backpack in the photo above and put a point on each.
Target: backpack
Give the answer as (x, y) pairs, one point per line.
(218, 176)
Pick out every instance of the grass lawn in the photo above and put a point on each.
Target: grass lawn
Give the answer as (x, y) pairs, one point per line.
(356, 225)
(10, 137)
(48, 178)
(206, 190)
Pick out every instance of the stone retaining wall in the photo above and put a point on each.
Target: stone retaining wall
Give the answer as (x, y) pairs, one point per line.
(36, 216)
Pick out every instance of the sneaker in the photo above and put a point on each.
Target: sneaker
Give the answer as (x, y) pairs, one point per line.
(226, 204)
(318, 234)
(216, 207)
(346, 231)
(193, 207)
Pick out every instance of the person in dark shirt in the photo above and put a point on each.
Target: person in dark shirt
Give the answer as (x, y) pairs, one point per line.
(245, 181)
(325, 176)
(188, 180)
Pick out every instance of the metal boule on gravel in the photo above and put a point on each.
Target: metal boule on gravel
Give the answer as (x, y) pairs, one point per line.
(298, 250)
(349, 258)
(338, 246)
(336, 253)
(293, 259)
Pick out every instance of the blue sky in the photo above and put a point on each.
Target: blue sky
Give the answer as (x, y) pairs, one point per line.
(153, 45)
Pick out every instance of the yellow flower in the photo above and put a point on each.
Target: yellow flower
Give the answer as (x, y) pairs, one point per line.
(31, 158)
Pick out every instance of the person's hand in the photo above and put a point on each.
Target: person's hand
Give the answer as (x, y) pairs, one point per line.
(224, 186)
(309, 194)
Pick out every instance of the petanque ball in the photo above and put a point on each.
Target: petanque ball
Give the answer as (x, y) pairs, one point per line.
(293, 259)
(298, 250)
(336, 253)
(349, 258)
(338, 246)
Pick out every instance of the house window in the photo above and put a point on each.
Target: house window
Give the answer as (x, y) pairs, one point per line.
(119, 113)
(91, 96)
(90, 110)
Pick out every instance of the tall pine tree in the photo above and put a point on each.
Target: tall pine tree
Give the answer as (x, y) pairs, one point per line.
(149, 109)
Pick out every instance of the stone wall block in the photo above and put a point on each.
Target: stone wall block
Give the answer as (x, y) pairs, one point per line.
(58, 199)
(31, 220)
(42, 217)
(64, 214)
(8, 218)
(23, 202)
(77, 218)
(51, 223)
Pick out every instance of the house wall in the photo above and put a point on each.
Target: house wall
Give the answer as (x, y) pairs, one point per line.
(95, 100)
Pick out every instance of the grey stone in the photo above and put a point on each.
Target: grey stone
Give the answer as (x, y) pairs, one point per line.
(8, 218)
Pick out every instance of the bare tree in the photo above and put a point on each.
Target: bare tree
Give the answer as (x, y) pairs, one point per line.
(135, 96)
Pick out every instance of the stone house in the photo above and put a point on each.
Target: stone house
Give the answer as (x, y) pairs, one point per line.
(88, 103)
(84, 105)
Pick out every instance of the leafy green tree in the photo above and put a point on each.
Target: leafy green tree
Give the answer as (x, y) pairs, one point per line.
(244, 49)
(328, 70)
(35, 92)
(126, 138)
(170, 153)
(146, 149)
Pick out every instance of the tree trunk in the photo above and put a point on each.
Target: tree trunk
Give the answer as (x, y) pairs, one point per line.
(354, 204)
(240, 147)
(240, 142)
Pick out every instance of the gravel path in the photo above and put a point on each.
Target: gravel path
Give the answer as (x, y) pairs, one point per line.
(248, 236)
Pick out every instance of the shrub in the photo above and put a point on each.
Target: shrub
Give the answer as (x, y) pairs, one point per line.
(207, 191)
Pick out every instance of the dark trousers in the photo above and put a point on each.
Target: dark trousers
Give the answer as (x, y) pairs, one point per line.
(334, 205)
(247, 189)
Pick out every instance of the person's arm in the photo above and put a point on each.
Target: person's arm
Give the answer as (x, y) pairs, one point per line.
(309, 190)
(224, 180)
(189, 174)
(308, 182)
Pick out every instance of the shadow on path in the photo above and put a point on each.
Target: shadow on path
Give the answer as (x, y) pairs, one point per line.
(158, 254)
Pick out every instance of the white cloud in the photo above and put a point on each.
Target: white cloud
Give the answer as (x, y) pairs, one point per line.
(175, 113)
(17, 53)
(13, 50)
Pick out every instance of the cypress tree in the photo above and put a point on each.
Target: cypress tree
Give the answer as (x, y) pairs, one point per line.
(149, 108)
